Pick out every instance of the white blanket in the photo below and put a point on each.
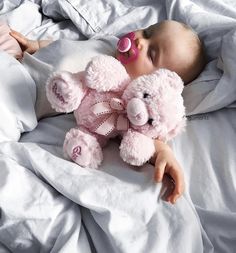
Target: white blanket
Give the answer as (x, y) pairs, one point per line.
(49, 204)
(124, 210)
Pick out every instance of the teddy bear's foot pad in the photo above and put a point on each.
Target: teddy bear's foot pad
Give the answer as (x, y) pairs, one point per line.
(83, 149)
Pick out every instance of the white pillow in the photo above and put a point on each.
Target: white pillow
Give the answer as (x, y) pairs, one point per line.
(197, 91)
(215, 88)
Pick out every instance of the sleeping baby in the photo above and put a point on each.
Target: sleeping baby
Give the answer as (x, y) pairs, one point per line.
(168, 44)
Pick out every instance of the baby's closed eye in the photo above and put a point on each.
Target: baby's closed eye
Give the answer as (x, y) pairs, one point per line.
(152, 55)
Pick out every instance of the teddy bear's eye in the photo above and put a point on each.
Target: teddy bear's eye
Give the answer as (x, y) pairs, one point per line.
(146, 95)
(150, 121)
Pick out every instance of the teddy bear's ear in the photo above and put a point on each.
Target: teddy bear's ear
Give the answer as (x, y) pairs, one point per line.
(171, 78)
(105, 73)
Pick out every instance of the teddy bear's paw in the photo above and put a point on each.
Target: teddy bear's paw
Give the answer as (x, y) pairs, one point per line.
(64, 91)
(136, 149)
(83, 149)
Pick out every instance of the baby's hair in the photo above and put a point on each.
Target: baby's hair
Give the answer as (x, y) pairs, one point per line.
(195, 60)
(199, 57)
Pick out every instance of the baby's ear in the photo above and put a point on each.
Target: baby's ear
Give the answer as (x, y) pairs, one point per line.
(171, 78)
(105, 73)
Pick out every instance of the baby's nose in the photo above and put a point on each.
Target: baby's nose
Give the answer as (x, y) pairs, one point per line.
(140, 43)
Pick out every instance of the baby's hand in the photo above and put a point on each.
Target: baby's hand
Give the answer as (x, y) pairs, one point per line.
(30, 46)
(165, 163)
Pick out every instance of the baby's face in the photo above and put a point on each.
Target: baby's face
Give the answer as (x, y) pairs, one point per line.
(161, 46)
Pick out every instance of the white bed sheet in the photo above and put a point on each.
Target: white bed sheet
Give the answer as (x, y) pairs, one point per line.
(52, 205)
(207, 153)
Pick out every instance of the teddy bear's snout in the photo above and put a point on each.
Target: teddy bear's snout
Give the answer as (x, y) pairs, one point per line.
(137, 112)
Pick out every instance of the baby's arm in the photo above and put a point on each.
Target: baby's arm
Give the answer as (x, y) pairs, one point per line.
(30, 46)
(165, 162)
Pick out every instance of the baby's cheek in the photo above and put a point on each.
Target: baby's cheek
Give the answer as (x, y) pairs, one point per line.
(131, 69)
(135, 69)
(139, 67)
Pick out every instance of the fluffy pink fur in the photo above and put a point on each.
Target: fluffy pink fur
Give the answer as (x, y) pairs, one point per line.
(135, 145)
(101, 72)
(164, 103)
(151, 105)
(89, 153)
(65, 91)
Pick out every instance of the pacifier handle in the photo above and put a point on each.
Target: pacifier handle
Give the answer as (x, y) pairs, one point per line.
(124, 45)
(127, 44)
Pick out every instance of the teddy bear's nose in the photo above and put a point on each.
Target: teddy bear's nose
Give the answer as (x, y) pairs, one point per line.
(137, 112)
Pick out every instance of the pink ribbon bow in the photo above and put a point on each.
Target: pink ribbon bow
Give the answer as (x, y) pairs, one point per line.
(113, 116)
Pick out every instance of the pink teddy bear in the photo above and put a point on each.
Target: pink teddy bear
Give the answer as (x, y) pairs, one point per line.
(107, 103)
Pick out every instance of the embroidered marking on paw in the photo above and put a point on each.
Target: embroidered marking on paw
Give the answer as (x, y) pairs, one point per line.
(57, 94)
(76, 152)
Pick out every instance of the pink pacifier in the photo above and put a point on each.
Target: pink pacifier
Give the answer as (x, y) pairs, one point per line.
(126, 46)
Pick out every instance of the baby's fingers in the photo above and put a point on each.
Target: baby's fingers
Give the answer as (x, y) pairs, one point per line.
(179, 186)
(160, 166)
(19, 37)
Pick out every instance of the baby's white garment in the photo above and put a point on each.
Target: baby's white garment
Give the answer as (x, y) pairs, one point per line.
(17, 99)
(62, 55)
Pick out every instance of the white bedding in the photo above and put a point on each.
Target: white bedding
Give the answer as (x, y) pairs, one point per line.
(49, 204)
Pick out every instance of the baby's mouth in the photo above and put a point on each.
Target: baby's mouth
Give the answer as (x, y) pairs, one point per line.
(125, 57)
(127, 54)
